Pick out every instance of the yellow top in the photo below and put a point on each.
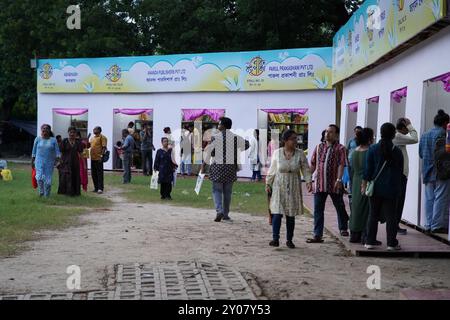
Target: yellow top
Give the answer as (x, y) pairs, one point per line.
(97, 144)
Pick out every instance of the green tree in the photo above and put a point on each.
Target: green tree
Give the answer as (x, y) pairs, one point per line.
(38, 29)
(33, 28)
(353, 5)
(221, 25)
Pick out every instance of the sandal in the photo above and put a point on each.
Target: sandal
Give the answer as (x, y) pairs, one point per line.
(314, 240)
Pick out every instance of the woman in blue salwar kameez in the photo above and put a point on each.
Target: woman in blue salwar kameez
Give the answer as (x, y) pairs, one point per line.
(44, 157)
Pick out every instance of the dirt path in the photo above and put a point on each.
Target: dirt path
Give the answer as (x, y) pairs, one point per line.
(142, 233)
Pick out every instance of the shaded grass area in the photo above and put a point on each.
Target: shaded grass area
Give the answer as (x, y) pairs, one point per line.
(247, 197)
(22, 212)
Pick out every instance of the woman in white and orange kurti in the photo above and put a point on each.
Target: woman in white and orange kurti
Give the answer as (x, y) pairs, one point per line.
(283, 183)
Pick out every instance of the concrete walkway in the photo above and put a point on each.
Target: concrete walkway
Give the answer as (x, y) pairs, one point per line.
(415, 243)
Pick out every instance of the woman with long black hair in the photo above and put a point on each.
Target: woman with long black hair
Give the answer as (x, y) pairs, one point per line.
(384, 165)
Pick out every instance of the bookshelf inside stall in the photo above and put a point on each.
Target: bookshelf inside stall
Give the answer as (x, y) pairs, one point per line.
(289, 120)
(80, 125)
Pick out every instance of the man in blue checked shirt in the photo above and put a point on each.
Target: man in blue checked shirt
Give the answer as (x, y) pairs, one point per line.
(437, 192)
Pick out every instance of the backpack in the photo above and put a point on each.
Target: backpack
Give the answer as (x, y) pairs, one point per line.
(441, 159)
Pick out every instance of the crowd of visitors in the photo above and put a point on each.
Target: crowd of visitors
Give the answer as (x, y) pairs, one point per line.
(377, 171)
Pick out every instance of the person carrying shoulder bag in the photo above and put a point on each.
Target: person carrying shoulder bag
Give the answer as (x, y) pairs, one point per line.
(385, 163)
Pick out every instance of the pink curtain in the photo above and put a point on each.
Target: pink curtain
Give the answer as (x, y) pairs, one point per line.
(445, 78)
(70, 112)
(192, 114)
(399, 94)
(374, 100)
(133, 112)
(302, 111)
(353, 107)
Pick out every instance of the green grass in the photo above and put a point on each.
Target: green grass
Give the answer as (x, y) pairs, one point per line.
(22, 212)
(247, 197)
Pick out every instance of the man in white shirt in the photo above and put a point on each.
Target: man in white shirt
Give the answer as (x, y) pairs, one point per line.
(405, 135)
(186, 151)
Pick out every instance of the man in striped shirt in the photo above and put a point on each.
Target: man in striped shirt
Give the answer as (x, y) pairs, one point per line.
(329, 159)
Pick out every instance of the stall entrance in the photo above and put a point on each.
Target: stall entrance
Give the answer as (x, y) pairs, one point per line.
(64, 118)
(201, 124)
(352, 117)
(398, 104)
(133, 120)
(436, 96)
(372, 114)
(273, 122)
(276, 121)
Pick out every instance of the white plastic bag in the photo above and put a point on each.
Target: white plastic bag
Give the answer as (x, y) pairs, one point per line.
(198, 185)
(154, 180)
(174, 182)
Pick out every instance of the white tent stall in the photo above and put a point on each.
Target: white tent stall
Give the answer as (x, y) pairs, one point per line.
(399, 71)
(241, 84)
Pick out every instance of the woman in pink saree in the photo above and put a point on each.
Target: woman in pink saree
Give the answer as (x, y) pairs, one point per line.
(83, 161)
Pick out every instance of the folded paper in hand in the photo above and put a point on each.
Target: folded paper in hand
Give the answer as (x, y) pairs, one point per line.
(198, 186)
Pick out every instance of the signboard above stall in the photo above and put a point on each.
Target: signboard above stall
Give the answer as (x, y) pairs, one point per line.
(378, 27)
(292, 69)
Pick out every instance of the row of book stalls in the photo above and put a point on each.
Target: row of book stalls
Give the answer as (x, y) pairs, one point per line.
(202, 124)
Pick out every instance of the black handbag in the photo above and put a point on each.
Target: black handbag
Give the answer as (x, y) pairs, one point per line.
(105, 156)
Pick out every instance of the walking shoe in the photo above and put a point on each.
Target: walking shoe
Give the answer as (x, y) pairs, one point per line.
(397, 247)
(227, 219)
(94, 191)
(402, 231)
(290, 244)
(169, 198)
(100, 191)
(314, 240)
(369, 246)
(344, 233)
(219, 217)
(274, 243)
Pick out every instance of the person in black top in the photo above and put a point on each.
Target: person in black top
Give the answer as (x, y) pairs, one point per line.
(385, 161)
(69, 169)
(166, 166)
(225, 147)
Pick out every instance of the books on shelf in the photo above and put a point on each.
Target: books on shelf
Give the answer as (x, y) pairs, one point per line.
(280, 118)
(79, 124)
(300, 119)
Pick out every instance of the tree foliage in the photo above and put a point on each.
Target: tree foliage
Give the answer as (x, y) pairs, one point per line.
(353, 5)
(33, 28)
